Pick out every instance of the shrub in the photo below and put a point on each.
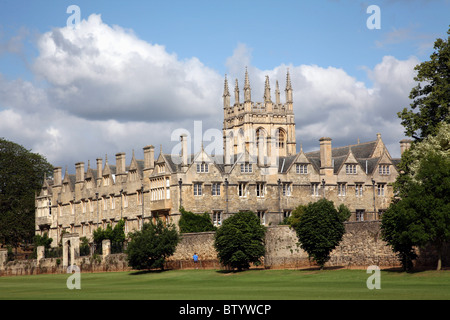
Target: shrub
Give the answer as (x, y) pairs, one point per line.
(192, 222)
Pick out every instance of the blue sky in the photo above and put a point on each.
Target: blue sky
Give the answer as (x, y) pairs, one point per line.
(318, 40)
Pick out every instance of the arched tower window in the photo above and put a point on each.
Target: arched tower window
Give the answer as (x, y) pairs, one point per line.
(260, 137)
(281, 138)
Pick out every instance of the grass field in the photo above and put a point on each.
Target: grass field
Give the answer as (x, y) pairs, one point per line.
(219, 285)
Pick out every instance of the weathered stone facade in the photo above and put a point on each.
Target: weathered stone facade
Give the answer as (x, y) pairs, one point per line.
(259, 170)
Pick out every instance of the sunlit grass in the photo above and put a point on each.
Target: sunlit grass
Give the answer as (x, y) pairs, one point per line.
(215, 285)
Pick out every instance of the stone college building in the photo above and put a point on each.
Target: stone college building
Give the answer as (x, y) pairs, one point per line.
(259, 170)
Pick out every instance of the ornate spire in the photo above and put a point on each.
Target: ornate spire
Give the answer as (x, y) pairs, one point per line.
(288, 88)
(236, 93)
(277, 93)
(247, 89)
(267, 97)
(226, 94)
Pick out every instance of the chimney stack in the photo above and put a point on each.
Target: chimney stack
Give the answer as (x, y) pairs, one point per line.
(326, 165)
(405, 144)
(99, 168)
(184, 155)
(79, 171)
(57, 176)
(149, 157)
(120, 163)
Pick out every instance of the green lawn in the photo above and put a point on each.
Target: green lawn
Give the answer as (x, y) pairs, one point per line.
(215, 285)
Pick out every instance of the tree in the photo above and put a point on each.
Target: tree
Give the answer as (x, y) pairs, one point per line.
(294, 219)
(149, 248)
(320, 229)
(191, 222)
(116, 235)
(21, 176)
(422, 215)
(239, 241)
(431, 95)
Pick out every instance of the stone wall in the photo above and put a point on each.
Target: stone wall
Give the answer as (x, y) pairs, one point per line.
(113, 262)
(361, 247)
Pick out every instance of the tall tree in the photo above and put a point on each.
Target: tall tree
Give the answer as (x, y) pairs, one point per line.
(21, 176)
(431, 95)
(239, 241)
(320, 229)
(421, 215)
(149, 248)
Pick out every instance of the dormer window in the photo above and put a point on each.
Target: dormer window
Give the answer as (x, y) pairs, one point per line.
(383, 169)
(133, 175)
(202, 167)
(246, 167)
(301, 168)
(350, 168)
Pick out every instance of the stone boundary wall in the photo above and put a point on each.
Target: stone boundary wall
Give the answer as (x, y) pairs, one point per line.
(361, 247)
(114, 262)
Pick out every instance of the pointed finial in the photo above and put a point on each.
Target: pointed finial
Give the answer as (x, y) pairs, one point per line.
(247, 81)
(267, 90)
(247, 93)
(277, 93)
(288, 80)
(226, 92)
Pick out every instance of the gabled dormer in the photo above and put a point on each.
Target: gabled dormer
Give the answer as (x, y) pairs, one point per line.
(107, 174)
(350, 166)
(134, 172)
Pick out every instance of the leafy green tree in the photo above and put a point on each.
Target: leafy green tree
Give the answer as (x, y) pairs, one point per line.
(239, 241)
(294, 219)
(116, 235)
(43, 241)
(21, 176)
(431, 95)
(320, 229)
(149, 248)
(422, 215)
(191, 222)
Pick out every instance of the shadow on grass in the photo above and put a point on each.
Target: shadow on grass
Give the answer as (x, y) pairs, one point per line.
(140, 272)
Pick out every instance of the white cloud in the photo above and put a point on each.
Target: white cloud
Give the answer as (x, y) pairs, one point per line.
(102, 72)
(107, 91)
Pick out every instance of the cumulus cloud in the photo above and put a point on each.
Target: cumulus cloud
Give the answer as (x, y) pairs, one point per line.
(107, 91)
(101, 72)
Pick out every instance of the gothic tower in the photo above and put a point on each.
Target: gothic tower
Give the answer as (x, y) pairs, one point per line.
(264, 129)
